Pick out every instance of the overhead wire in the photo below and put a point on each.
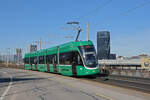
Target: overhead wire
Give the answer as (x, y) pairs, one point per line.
(136, 7)
(95, 9)
(102, 5)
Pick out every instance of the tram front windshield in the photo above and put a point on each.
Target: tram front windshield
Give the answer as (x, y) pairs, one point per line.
(89, 55)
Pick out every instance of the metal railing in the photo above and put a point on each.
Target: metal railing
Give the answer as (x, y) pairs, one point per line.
(120, 62)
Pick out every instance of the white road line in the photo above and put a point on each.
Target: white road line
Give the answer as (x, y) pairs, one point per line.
(9, 86)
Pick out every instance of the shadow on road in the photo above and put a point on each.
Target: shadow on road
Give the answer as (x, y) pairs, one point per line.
(3, 80)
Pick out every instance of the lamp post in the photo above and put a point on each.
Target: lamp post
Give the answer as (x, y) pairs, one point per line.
(88, 31)
(8, 54)
(68, 37)
(0, 56)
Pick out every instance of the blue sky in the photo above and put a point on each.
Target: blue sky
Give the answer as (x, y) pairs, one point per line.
(23, 22)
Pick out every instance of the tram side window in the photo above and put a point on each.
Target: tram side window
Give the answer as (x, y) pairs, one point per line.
(49, 59)
(26, 60)
(54, 59)
(61, 60)
(32, 60)
(64, 58)
(79, 60)
(41, 59)
(76, 58)
(69, 58)
(35, 60)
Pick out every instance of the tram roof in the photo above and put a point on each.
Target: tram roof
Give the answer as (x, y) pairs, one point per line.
(73, 44)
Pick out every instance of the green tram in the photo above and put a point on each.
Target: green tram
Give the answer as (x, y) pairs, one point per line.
(76, 58)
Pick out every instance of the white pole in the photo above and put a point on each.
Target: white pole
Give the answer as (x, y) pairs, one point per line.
(28, 48)
(0, 56)
(40, 43)
(7, 60)
(7, 56)
(88, 31)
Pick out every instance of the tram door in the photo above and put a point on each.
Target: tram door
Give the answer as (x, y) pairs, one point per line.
(74, 69)
(35, 62)
(47, 62)
(55, 63)
(74, 63)
(48, 69)
(31, 64)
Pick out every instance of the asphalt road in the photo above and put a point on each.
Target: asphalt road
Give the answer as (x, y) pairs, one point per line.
(17, 84)
(4, 82)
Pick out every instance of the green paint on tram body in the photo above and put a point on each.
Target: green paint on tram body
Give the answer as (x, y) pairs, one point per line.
(66, 59)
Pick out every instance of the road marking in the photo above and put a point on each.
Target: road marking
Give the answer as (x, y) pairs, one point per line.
(103, 96)
(9, 86)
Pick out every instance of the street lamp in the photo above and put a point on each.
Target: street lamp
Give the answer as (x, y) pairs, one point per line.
(8, 54)
(68, 37)
(73, 23)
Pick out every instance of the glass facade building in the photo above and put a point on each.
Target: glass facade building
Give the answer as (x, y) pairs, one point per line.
(33, 48)
(103, 45)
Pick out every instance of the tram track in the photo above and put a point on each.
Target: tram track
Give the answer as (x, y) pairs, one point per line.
(139, 84)
(135, 79)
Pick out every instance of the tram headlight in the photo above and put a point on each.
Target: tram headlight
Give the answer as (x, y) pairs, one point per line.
(93, 71)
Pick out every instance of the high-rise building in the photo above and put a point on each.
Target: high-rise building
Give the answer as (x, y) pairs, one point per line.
(18, 51)
(103, 45)
(18, 56)
(33, 48)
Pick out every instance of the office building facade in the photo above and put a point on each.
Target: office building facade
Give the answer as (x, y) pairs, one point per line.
(103, 45)
(32, 48)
